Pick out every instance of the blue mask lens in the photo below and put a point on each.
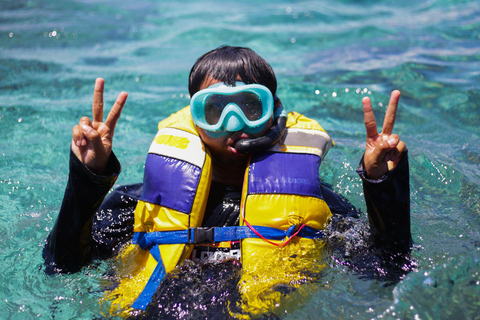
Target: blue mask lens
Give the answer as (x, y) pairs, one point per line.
(224, 109)
(249, 102)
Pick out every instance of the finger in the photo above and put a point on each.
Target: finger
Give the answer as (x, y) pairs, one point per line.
(391, 113)
(85, 121)
(77, 136)
(93, 137)
(381, 149)
(97, 106)
(116, 111)
(401, 147)
(397, 152)
(369, 118)
(397, 155)
(393, 140)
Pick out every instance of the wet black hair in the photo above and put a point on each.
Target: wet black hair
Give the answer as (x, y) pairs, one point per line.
(226, 63)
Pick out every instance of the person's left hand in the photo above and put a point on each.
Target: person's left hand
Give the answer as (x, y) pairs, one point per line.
(383, 150)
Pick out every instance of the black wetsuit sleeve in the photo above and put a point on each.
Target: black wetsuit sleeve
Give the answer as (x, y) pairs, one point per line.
(388, 206)
(69, 245)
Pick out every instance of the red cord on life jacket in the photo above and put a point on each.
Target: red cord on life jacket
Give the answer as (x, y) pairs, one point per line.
(283, 244)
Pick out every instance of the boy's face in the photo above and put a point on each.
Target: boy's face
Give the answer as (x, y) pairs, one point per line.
(223, 148)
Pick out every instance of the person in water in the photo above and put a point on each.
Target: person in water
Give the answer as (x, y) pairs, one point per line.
(230, 175)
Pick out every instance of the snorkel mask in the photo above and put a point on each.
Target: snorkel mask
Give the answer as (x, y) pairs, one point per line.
(221, 109)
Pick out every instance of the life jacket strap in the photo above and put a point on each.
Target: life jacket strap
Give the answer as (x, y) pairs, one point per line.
(201, 235)
(153, 283)
(151, 240)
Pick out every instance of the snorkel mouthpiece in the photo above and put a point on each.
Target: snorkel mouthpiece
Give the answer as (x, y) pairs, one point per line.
(269, 139)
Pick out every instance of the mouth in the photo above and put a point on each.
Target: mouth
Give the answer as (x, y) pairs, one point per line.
(234, 138)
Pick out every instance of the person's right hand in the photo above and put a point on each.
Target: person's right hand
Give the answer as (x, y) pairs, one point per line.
(92, 141)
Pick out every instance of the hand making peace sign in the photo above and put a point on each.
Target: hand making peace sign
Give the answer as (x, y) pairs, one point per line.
(384, 150)
(92, 141)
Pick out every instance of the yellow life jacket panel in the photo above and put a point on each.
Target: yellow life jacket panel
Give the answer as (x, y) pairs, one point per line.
(282, 190)
(175, 192)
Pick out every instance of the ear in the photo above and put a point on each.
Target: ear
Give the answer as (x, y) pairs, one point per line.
(276, 103)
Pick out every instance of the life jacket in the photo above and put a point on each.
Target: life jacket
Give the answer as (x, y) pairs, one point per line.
(282, 211)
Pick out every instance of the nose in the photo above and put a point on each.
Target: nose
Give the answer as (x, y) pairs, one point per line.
(234, 123)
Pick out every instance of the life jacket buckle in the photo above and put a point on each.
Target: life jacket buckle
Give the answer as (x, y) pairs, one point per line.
(204, 235)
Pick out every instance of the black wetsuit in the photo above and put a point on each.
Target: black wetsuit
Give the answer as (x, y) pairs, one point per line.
(89, 227)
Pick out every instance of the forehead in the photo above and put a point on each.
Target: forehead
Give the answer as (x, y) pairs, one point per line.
(208, 81)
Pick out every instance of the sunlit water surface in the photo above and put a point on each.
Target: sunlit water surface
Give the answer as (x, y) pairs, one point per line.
(326, 55)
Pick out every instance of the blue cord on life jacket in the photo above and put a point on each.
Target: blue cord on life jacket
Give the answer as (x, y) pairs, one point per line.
(199, 235)
(151, 240)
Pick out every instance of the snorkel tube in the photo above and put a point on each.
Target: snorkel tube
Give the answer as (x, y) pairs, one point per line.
(270, 138)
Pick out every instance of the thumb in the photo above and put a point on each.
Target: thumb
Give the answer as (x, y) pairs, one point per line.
(93, 138)
(393, 140)
(382, 148)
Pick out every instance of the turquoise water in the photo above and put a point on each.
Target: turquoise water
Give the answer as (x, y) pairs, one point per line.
(326, 55)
